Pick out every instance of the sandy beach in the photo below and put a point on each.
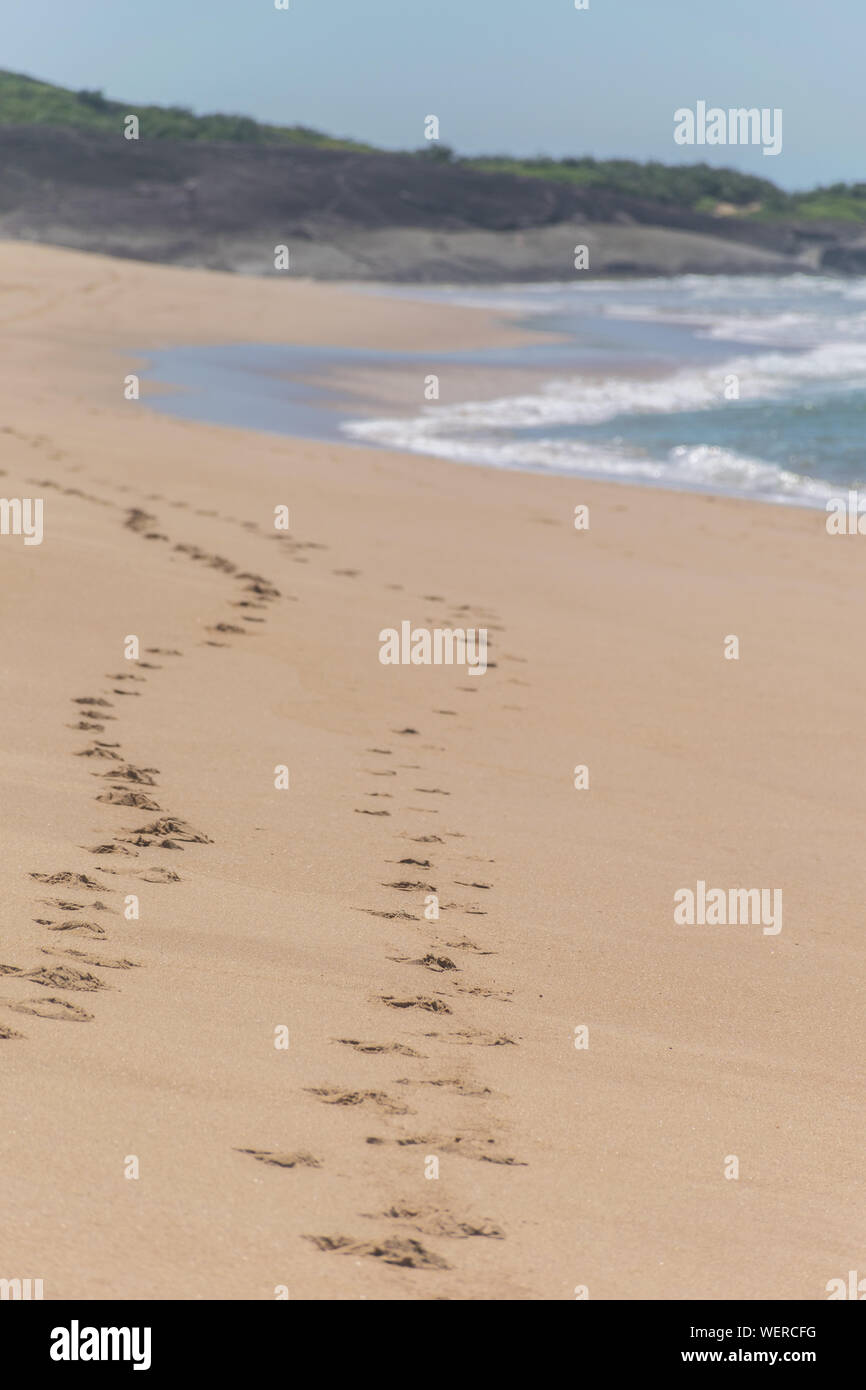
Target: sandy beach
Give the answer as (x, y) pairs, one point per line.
(149, 1044)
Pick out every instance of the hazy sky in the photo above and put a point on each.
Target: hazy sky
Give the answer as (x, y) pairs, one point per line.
(518, 76)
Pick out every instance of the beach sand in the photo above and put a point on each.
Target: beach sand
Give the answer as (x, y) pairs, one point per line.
(262, 1168)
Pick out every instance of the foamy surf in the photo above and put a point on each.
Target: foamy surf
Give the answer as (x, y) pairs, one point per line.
(814, 333)
(705, 468)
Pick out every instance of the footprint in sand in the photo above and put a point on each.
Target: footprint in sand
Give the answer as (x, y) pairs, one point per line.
(261, 587)
(80, 926)
(112, 848)
(174, 826)
(432, 1222)
(433, 1006)
(66, 906)
(154, 844)
(79, 880)
(52, 1008)
(282, 1160)
(369, 1047)
(138, 520)
(64, 977)
(105, 962)
(438, 964)
(477, 1148)
(119, 797)
(407, 1254)
(391, 916)
(503, 996)
(466, 945)
(98, 751)
(454, 1085)
(142, 775)
(379, 1100)
(474, 1037)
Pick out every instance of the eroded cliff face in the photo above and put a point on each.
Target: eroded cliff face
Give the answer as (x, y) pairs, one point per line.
(345, 215)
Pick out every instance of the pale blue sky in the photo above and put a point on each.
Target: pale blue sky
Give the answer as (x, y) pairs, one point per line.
(517, 76)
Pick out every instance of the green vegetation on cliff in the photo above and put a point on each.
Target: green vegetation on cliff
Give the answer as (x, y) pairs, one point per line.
(699, 187)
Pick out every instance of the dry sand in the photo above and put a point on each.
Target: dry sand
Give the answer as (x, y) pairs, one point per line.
(558, 1167)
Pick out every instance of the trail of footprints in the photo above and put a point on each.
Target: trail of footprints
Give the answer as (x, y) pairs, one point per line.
(72, 913)
(430, 1018)
(423, 862)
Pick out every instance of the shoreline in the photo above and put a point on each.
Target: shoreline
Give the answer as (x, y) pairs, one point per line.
(577, 401)
(303, 909)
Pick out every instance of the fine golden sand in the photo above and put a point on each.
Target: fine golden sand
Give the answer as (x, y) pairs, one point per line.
(151, 1041)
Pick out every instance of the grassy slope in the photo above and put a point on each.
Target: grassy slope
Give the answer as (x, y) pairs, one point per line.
(697, 186)
(27, 101)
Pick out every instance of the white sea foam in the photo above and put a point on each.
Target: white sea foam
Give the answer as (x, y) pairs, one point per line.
(701, 467)
(814, 329)
(580, 401)
(785, 311)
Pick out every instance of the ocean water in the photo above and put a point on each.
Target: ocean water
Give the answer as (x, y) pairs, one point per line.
(639, 389)
(791, 428)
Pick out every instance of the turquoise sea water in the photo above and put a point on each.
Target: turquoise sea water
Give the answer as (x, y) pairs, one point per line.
(736, 385)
